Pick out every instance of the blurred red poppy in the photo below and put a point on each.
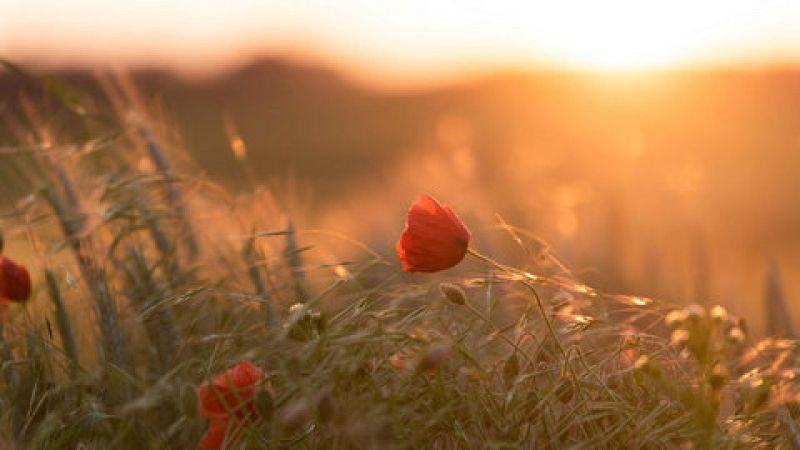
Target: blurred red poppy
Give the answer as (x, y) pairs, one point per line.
(215, 437)
(230, 396)
(434, 238)
(629, 352)
(401, 358)
(427, 363)
(15, 282)
(231, 392)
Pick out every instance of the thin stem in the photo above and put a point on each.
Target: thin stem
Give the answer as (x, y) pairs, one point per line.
(64, 323)
(530, 287)
(546, 317)
(295, 262)
(499, 333)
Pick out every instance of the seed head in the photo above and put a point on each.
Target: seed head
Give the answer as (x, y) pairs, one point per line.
(453, 293)
(719, 313)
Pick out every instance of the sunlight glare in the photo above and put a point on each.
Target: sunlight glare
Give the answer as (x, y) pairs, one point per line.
(630, 34)
(408, 39)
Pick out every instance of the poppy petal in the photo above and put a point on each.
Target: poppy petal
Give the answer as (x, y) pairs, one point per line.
(15, 281)
(215, 437)
(434, 238)
(231, 392)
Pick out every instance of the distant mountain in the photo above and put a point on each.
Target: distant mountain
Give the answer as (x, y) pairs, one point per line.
(740, 128)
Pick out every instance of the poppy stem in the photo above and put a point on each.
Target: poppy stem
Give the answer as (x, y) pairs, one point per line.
(546, 317)
(485, 258)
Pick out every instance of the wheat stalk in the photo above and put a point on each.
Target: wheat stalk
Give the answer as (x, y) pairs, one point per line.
(64, 323)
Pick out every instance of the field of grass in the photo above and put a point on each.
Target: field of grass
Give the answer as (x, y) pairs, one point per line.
(151, 283)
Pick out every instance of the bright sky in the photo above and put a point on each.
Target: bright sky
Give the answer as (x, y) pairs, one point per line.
(400, 40)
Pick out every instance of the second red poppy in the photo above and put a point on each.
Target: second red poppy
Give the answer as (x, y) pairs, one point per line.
(15, 282)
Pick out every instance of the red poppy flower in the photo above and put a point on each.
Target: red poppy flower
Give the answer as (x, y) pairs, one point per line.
(215, 437)
(230, 397)
(630, 350)
(222, 434)
(434, 238)
(428, 363)
(401, 358)
(15, 282)
(232, 392)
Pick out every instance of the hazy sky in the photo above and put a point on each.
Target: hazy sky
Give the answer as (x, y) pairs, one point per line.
(404, 39)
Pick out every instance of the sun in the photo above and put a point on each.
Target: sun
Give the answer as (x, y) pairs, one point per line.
(399, 42)
(627, 34)
(620, 46)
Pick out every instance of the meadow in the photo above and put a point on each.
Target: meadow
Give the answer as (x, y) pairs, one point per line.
(171, 311)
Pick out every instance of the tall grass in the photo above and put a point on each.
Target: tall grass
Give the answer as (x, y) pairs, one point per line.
(180, 280)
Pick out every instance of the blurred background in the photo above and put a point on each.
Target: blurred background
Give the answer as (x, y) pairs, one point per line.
(654, 145)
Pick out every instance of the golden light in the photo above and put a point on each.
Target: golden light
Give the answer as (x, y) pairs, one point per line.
(407, 39)
(631, 34)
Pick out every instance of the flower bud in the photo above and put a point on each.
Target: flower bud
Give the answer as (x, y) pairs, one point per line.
(453, 293)
(303, 325)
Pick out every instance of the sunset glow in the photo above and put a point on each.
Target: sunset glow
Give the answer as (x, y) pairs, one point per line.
(445, 224)
(405, 39)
